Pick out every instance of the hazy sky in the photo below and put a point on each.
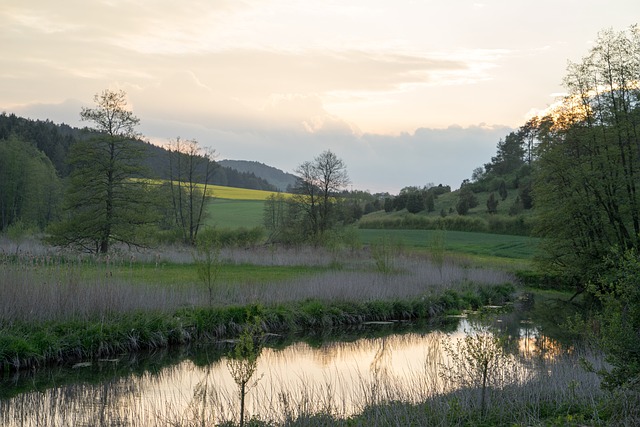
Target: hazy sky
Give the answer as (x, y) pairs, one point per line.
(406, 92)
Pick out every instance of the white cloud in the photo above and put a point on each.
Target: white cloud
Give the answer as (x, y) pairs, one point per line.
(279, 81)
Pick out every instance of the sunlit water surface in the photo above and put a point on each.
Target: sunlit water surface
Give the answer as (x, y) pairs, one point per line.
(337, 377)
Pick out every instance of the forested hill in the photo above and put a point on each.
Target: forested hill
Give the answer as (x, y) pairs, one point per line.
(54, 140)
(282, 180)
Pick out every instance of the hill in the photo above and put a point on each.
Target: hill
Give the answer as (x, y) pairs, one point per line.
(279, 179)
(55, 140)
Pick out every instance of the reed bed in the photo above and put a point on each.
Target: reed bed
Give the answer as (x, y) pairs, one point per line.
(59, 306)
(40, 285)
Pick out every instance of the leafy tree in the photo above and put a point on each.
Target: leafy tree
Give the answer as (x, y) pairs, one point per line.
(105, 202)
(190, 170)
(466, 200)
(619, 334)
(526, 194)
(319, 183)
(388, 204)
(492, 204)
(588, 165)
(477, 174)
(400, 201)
(30, 189)
(285, 220)
(516, 208)
(479, 362)
(415, 202)
(51, 139)
(242, 362)
(509, 156)
(502, 190)
(430, 201)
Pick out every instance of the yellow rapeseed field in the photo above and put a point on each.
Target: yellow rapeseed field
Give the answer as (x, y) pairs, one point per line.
(231, 193)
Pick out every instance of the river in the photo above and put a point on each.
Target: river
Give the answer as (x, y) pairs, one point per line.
(336, 372)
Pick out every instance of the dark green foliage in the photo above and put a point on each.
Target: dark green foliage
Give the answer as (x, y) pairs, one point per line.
(30, 189)
(514, 225)
(492, 204)
(281, 180)
(416, 199)
(104, 202)
(388, 204)
(238, 237)
(502, 190)
(617, 289)
(516, 207)
(588, 167)
(51, 139)
(525, 194)
(430, 201)
(509, 156)
(466, 200)
(415, 202)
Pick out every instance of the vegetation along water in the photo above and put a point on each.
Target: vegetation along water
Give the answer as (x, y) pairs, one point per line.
(140, 286)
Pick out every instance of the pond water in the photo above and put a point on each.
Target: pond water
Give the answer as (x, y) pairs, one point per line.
(339, 372)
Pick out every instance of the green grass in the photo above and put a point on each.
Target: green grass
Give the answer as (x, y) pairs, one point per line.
(447, 202)
(234, 213)
(479, 244)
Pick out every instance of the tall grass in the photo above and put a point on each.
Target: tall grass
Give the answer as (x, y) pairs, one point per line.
(57, 307)
(39, 286)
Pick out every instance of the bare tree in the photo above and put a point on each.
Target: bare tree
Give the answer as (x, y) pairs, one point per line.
(190, 170)
(319, 183)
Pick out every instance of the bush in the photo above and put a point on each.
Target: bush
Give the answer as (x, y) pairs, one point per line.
(619, 320)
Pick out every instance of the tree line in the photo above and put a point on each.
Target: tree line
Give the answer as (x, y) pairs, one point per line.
(37, 161)
(585, 158)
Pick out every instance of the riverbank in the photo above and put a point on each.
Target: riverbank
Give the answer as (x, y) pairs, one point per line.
(29, 345)
(192, 387)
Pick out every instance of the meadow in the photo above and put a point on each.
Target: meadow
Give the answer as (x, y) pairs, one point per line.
(509, 251)
(498, 250)
(234, 213)
(58, 307)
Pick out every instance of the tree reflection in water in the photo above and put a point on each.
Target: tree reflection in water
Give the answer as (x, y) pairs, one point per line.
(337, 378)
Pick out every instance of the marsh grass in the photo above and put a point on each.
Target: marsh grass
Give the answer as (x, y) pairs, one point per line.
(41, 285)
(57, 306)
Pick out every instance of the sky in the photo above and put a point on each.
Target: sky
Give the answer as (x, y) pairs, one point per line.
(405, 92)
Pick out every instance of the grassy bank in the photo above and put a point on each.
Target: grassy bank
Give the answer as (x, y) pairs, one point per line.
(55, 308)
(26, 345)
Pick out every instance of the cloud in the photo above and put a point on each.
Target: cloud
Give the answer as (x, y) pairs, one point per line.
(375, 162)
(67, 112)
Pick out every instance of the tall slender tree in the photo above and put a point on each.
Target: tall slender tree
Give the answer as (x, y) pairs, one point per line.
(104, 202)
(190, 170)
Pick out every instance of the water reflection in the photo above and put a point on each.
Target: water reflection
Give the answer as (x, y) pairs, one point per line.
(340, 378)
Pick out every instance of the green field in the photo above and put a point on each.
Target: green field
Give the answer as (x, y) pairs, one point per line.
(234, 213)
(479, 244)
(240, 210)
